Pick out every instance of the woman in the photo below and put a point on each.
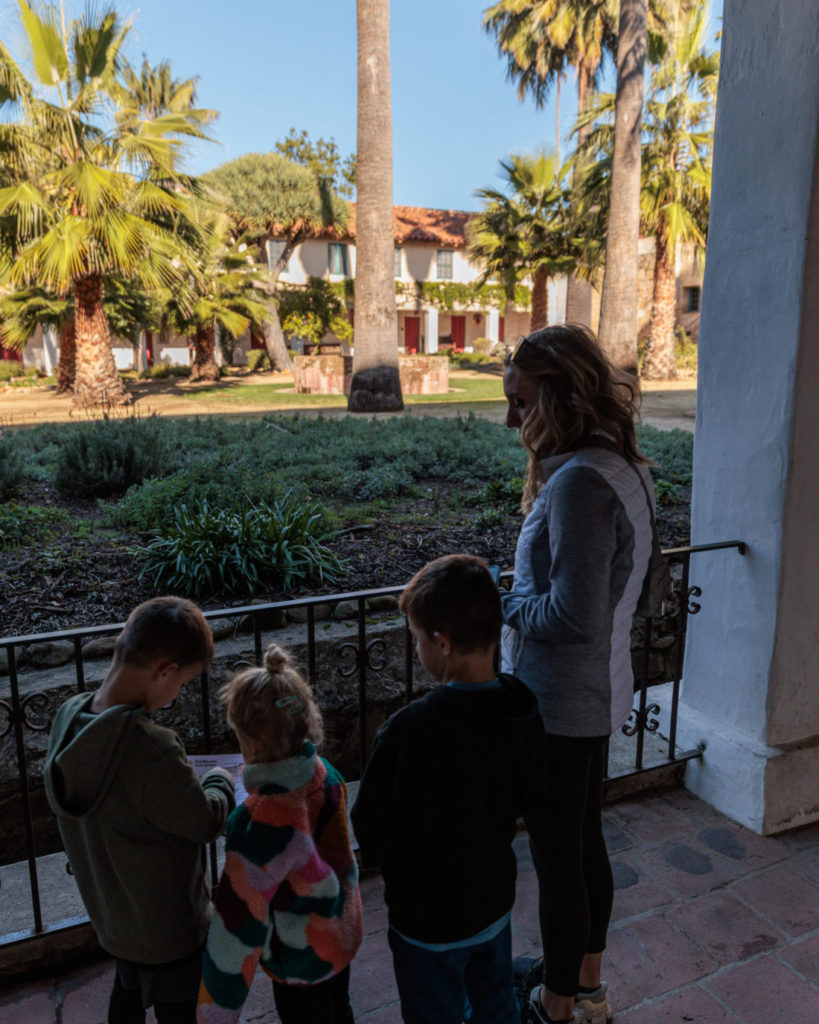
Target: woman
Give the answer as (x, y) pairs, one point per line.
(580, 562)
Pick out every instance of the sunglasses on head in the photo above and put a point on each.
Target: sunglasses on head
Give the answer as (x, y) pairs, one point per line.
(527, 352)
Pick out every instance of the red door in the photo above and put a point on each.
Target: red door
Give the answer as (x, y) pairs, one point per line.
(412, 326)
(149, 348)
(458, 332)
(13, 355)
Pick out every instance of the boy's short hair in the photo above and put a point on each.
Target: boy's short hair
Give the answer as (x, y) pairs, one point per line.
(273, 706)
(165, 629)
(456, 595)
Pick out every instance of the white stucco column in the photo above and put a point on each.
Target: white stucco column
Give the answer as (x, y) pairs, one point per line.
(431, 330)
(51, 349)
(493, 325)
(751, 678)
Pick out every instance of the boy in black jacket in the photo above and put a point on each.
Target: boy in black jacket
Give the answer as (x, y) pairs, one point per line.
(437, 808)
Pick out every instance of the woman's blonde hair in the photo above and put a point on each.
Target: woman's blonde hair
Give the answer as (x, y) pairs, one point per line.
(580, 394)
(273, 707)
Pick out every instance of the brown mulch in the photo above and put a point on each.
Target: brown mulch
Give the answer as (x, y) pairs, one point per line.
(84, 581)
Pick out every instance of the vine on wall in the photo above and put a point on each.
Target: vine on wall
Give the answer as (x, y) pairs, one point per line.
(448, 296)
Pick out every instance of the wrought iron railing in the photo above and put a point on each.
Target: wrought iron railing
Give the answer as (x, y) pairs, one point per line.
(360, 657)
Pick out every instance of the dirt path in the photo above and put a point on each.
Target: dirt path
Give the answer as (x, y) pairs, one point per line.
(666, 404)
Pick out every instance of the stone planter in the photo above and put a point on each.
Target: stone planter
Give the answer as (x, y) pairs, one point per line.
(331, 374)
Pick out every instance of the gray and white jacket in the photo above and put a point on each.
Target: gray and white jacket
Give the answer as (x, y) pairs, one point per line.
(580, 562)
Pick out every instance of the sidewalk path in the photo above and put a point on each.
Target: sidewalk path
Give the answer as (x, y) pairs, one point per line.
(666, 404)
(712, 924)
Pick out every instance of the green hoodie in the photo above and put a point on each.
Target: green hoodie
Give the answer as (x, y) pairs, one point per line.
(133, 816)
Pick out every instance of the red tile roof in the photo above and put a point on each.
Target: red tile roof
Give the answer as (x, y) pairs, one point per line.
(421, 224)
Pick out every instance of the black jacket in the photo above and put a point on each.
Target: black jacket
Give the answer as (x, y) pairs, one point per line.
(437, 808)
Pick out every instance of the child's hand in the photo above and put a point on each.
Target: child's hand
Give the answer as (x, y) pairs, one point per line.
(224, 773)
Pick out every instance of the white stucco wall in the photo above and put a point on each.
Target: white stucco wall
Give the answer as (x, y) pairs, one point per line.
(750, 688)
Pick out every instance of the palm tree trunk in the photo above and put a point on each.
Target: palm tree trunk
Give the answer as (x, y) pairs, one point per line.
(578, 290)
(97, 383)
(540, 299)
(274, 343)
(659, 362)
(204, 354)
(376, 385)
(67, 365)
(618, 312)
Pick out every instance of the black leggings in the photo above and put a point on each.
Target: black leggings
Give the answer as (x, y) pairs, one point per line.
(573, 869)
(328, 1002)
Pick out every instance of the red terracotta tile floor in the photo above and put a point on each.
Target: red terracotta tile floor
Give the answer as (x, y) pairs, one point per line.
(712, 924)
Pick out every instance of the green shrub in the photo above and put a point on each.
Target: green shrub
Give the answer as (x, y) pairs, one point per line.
(104, 458)
(672, 451)
(466, 360)
(490, 519)
(28, 524)
(161, 370)
(503, 492)
(685, 351)
(211, 551)
(11, 369)
(257, 359)
(11, 467)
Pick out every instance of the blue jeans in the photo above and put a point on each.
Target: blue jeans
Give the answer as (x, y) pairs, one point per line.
(473, 983)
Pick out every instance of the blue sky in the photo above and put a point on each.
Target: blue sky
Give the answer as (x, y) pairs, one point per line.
(269, 65)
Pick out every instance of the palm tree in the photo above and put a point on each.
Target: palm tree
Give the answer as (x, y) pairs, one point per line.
(153, 91)
(376, 384)
(618, 304)
(540, 39)
(23, 310)
(495, 242)
(86, 195)
(677, 183)
(676, 167)
(220, 290)
(532, 221)
(267, 195)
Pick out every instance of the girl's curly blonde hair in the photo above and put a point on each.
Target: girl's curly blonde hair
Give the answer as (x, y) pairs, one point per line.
(580, 394)
(273, 707)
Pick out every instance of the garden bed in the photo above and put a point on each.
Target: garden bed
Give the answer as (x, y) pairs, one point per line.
(397, 494)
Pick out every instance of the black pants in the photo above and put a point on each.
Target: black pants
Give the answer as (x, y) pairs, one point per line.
(125, 1007)
(171, 989)
(325, 1003)
(573, 869)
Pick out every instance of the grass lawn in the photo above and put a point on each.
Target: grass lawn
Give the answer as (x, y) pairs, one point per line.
(282, 396)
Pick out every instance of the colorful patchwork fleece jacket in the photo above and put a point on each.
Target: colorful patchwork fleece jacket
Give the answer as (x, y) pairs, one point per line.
(288, 896)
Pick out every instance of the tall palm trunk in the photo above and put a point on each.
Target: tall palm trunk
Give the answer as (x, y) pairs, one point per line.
(67, 365)
(376, 385)
(97, 382)
(578, 290)
(659, 362)
(618, 311)
(204, 354)
(540, 299)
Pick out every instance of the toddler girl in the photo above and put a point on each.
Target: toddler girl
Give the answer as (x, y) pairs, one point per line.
(288, 896)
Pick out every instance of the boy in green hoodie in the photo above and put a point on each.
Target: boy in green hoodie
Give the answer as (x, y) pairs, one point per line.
(133, 815)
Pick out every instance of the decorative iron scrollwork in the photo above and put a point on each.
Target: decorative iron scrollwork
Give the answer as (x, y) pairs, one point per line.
(34, 713)
(37, 705)
(640, 720)
(6, 709)
(694, 606)
(375, 665)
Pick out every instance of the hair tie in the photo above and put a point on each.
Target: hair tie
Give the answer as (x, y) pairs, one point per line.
(275, 658)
